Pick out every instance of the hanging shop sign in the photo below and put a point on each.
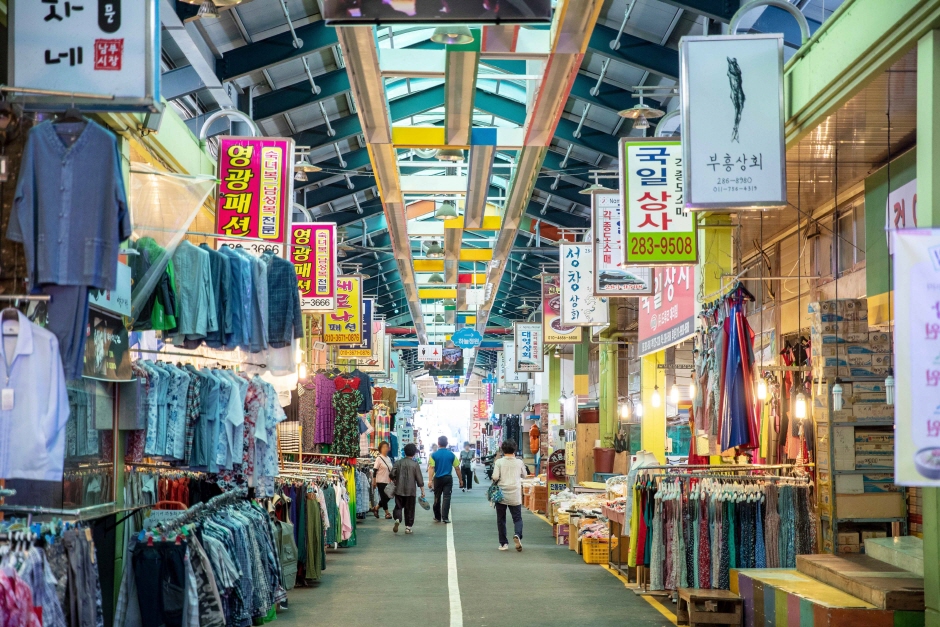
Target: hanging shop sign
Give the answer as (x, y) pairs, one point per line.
(344, 324)
(363, 349)
(255, 249)
(732, 121)
(506, 366)
(255, 187)
(97, 47)
(555, 331)
(313, 253)
(916, 411)
(430, 352)
(376, 360)
(466, 338)
(118, 300)
(107, 353)
(579, 305)
(483, 409)
(571, 460)
(529, 355)
(659, 228)
(668, 316)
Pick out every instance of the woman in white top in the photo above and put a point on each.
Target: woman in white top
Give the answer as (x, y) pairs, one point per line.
(508, 473)
(382, 466)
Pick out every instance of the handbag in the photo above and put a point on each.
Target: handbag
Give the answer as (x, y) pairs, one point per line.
(494, 494)
(390, 490)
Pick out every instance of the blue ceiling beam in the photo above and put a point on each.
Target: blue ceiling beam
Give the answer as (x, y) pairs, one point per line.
(635, 51)
(287, 99)
(274, 50)
(354, 160)
(774, 20)
(556, 216)
(721, 10)
(179, 82)
(565, 190)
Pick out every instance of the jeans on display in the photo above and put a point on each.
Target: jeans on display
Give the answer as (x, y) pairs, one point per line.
(383, 498)
(467, 473)
(443, 486)
(82, 580)
(406, 503)
(161, 582)
(516, 512)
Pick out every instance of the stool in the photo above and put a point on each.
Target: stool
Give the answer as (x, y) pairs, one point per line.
(709, 607)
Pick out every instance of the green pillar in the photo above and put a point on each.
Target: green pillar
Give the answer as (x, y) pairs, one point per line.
(928, 171)
(554, 404)
(609, 384)
(581, 385)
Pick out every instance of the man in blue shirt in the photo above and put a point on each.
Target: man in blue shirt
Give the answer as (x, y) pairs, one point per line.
(440, 476)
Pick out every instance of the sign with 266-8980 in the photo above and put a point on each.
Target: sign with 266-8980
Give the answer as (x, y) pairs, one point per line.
(658, 229)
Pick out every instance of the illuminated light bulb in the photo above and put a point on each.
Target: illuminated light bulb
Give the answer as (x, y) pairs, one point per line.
(638, 411)
(692, 390)
(674, 394)
(837, 395)
(299, 357)
(625, 410)
(889, 388)
(800, 409)
(302, 371)
(655, 399)
(761, 390)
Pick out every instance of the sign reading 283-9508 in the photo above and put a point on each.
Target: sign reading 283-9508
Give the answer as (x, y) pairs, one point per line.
(255, 187)
(658, 228)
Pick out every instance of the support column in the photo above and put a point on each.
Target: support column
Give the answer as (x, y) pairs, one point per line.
(653, 429)
(928, 170)
(608, 384)
(554, 405)
(581, 351)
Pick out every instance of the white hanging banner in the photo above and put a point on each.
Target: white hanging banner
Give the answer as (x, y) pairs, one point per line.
(529, 348)
(579, 305)
(916, 359)
(610, 277)
(507, 366)
(731, 89)
(430, 352)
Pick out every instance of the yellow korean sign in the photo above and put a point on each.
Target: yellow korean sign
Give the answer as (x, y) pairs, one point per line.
(343, 325)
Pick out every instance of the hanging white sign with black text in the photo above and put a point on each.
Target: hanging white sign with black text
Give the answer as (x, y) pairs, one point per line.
(579, 305)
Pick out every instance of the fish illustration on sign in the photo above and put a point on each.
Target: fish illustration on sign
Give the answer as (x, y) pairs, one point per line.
(736, 80)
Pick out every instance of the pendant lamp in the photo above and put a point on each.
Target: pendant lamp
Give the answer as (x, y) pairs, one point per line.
(692, 389)
(837, 395)
(625, 410)
(655, 399)
(436, 278)
(800, 409)
(445, 211)
(889, 387)
(638, 410)
(595, 188)
(455, 34)
(761, 389)
(674, 394)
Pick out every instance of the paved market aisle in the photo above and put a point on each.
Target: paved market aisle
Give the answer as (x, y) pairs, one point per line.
(390, 580)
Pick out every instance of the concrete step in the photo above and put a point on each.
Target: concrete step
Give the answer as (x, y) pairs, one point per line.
(885, 586)
(905, 552)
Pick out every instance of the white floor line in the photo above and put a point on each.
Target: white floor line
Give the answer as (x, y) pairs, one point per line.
(453, 589)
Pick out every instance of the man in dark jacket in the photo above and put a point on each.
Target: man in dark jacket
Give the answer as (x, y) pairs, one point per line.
(407, 477)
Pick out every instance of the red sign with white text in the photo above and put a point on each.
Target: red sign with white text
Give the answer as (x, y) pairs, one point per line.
(668, 316)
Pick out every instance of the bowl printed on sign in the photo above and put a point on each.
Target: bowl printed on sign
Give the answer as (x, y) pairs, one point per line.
(554, 305)
(561, 328)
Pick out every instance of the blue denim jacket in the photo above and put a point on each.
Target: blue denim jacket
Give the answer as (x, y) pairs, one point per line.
(78, 191)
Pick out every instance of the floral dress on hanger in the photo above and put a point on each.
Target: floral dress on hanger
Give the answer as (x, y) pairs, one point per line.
(346, 403)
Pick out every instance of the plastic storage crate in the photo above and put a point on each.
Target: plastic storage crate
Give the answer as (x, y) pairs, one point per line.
(596, 551)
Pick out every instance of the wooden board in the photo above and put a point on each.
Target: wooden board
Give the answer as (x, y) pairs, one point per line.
(588, 434)
(885, 586)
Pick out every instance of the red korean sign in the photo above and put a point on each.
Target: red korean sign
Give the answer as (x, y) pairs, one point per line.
(255, 187)
(482, 410)
(668, 316)
(343, 325)
(313, 253)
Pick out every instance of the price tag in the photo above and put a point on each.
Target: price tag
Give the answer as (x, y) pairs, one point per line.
(6, 399)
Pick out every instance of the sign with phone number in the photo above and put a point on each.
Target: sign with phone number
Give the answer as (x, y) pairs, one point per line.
(659, 229)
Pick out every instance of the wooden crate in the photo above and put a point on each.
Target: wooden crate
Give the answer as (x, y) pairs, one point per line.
(709, 607)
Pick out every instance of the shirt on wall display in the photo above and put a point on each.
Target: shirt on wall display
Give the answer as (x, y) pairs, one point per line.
(659, 228)
(105, 47)
(529, 349)
(554, 330)
(731, 91)
(256, 185)
(579, 305)
(314, 257)
(344, 324)
(916, 357)
(668, 316)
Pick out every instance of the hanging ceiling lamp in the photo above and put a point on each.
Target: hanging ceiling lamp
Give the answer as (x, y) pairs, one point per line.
(625, 410)
(692, 388)
(655, 399)
(436, 278)
(449, 302)
(837, 395)
(434, 251)
(761, 389)
(438, 319)
(674, 394)
(445, 211)
(638, 410)
(453, 34)
(800, 408)
(641, 114)
(595, 188)
(450, 154)
(889, 387)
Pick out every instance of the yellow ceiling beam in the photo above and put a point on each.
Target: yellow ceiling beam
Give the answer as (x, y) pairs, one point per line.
(476, 254)
(490, 223)
(421, 137)
(437, 292)
(429, 265)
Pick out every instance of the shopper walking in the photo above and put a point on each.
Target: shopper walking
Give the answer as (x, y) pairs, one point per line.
(508, 473)
(440, 476)
(406, 473)
(382, 477)
(466, 466)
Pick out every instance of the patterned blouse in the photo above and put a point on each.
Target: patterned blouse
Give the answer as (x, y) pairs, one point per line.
(326, 416)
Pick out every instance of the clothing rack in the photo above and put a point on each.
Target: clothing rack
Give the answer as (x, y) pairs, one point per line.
(213, 504)
(196, 355)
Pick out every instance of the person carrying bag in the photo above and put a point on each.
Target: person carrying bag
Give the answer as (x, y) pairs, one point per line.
(506, 491)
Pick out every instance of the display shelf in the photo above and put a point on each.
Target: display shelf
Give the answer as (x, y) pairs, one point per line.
(866, 471)
(874, 520)
(866, 423)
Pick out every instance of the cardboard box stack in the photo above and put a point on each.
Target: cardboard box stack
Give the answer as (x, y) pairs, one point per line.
(842, 345)
(915, 517)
